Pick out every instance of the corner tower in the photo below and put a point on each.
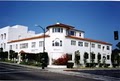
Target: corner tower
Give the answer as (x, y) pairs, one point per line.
(57, 41)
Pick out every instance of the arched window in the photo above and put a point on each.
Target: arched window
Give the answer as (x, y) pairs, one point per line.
(57, 42)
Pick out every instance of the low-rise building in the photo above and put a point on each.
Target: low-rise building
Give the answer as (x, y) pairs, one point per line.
(60, 39)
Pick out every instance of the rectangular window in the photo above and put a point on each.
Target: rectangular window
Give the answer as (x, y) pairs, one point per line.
(16, 46)
(4, 35)
(23, 45)
(86, 44)
(69, 56)
(40, 43)
(80, 34)
(57, 29)
(60, 42)
(73, 42)
(61, 29)
(4, 45)
(103, 47)
(1, 45)
(33, 44)
(10, 47)
(108, 57)
(53, 30)
(72, 33)
(93, 46)
(80, 43)
(67, 32)
(99, 46)
(1, 36)
(108, 48)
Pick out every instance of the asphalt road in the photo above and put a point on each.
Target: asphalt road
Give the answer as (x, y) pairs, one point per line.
(15, 72)
(111, 73)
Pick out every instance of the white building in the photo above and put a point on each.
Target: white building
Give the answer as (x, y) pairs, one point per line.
(13, 33)
(60, 39)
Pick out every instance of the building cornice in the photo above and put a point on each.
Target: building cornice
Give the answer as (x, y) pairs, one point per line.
(30, 38)
(89, 40)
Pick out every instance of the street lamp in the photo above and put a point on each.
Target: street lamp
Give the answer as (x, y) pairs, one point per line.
(43, 59)
(44, 36)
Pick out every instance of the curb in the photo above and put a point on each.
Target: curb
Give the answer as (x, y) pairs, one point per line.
(33, 67)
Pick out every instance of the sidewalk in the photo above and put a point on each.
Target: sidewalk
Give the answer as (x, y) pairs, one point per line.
(70, 72)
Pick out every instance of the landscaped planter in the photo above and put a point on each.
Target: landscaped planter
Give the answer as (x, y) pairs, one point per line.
(70, 65)
(91, 64)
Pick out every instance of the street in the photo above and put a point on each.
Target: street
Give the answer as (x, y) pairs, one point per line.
(111, 73)
(15, 72)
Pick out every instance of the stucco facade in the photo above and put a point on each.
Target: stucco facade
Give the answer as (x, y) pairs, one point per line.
(59, 39)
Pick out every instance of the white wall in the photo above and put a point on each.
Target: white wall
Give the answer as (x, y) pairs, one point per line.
(18, 32)
(14, 33)
(4, 40)
(68, 48)
(37, 49)
(78, 34)
(55, 51)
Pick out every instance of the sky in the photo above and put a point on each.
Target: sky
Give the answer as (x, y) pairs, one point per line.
(99, 19)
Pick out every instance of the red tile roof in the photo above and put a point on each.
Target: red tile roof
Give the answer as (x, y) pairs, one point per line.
(30, 38)
(63, 26)
(87, 39)
(60, 25)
